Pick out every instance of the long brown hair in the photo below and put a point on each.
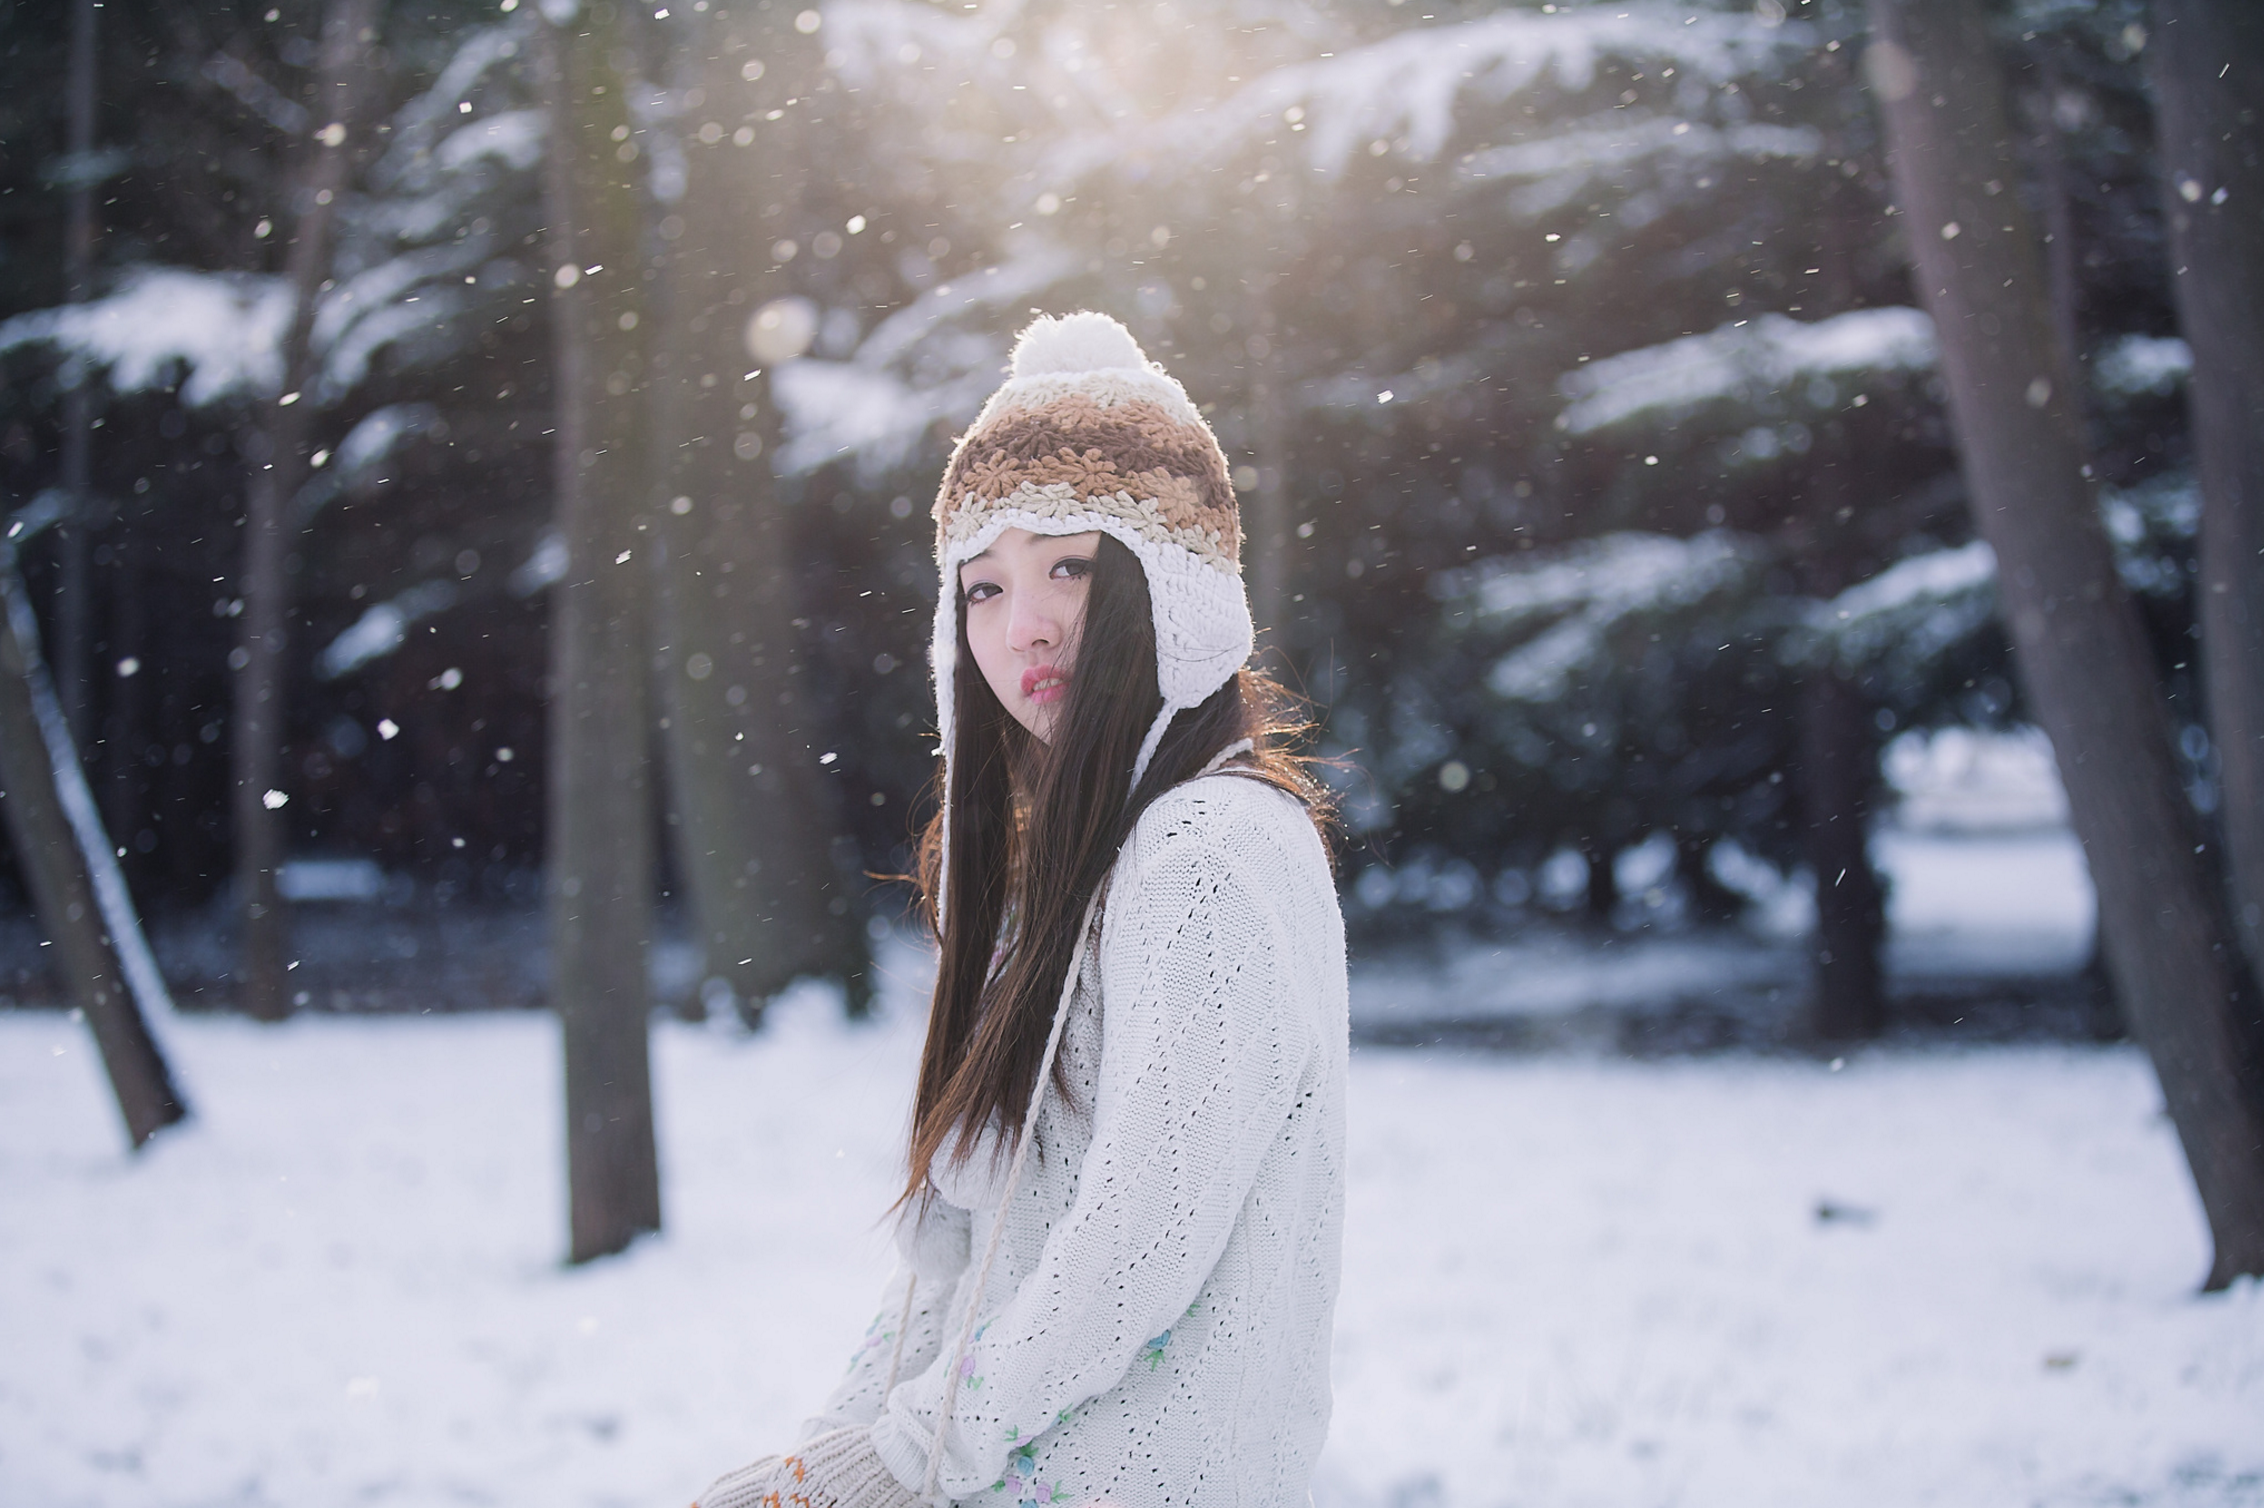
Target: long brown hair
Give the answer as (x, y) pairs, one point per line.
(1034, 828)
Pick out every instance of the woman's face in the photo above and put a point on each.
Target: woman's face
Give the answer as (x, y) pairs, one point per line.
(1025, 600)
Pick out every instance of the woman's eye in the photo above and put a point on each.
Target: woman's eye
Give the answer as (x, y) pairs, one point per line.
(1070, 569)
(982, 591)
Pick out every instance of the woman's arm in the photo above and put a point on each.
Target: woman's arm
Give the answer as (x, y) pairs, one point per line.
(1203, 1043)
(834, 1466)
(934, 1252)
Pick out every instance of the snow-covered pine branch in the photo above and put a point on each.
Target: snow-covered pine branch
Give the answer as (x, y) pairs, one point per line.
(2131, 366)
(1588, 589)
(1558, 169)
(382, 628)
(1407, 89)
(218, 334)
(1740, 361)
(919, 366)
(1904, 618)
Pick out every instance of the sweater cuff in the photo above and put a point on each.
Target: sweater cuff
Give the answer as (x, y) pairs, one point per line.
(747, 1487)
(902, 1447)
(841, 1467)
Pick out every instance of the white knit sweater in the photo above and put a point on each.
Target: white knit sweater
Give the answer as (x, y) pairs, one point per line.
(1155, 1330)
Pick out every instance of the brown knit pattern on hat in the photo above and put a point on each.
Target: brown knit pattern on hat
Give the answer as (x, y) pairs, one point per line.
(1104, 453)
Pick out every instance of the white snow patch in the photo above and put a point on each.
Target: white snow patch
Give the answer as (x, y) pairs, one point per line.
(225, 327)
(1757, 355)
(1969, 780)
(1566, 1280)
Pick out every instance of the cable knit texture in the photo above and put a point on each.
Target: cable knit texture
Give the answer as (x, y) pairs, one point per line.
(1155, 1330)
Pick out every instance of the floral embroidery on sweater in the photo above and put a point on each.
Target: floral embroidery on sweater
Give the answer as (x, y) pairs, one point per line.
(1022, 1484)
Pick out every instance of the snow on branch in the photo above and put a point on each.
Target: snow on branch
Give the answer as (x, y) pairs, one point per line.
(513, 138)
(1562, 167)
(1907, 616)
(226, 328)
(867, 408)
(1405, 89)
(1748, 357)
(2153, 365)
(378, 434)
(838, 409)
(1591, 587)
(383, 628)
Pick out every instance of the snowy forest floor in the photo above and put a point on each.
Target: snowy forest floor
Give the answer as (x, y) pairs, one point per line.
(1934, 1275)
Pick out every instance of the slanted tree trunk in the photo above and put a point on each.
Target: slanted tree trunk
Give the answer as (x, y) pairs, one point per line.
(256, 740)
(2206, 65)
(600, 863)
(755, 816)
(2170, 938)
(75, 883)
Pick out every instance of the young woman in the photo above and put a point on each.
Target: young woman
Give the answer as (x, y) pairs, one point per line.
(1120, 1227)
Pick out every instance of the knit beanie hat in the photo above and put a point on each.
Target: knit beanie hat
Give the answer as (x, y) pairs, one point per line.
(1088, 434)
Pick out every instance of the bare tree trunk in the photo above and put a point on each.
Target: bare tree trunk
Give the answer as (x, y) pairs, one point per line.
(2206, 64)
(756, 819)
(82, 900)
(256, 742)
(73, 610)
(1602, 895)
(1839, 743)
(2059, 217)
(126, 721)
(600, 821)
(1839, 771)
(2170, 940)
(1269, 434)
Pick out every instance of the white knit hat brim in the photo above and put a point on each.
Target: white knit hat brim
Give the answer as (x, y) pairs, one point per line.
(1201, 614)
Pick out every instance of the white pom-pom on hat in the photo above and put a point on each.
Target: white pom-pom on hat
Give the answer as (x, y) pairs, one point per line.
(1082, 342)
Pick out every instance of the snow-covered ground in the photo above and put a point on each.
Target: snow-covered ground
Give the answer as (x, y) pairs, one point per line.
(1939, 1276)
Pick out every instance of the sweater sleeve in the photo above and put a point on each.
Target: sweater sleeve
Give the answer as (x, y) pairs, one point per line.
(1201, 1051)
(933, 1249)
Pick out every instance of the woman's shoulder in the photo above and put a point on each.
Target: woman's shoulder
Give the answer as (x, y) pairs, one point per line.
(1225, 817)
(1224, 856)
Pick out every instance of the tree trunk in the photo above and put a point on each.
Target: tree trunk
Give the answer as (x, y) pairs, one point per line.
(1268, 535)
(75, 883)
(256, 743)
(755, 816)
(73, 609)
(1602, 895)
(2169, 935)
(2206, 62)
(600, 823)
(126, 719)
(1839, 769)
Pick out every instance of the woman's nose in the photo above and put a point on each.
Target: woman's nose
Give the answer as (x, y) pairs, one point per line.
(1031, 623)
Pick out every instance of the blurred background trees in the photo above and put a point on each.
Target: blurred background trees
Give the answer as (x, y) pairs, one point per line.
(1597, 459)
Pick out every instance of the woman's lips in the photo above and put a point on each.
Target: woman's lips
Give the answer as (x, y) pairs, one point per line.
(1044, 683)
